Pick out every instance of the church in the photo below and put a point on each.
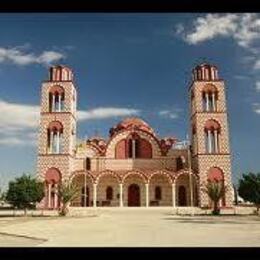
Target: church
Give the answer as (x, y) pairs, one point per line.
(132, 166)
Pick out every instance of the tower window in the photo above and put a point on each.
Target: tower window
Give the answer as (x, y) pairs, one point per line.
(212, 132)
(55, 137)
(209, 98)
(209, 102)
(56, 99)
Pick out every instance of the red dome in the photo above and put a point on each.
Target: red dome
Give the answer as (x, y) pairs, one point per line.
(131, 123)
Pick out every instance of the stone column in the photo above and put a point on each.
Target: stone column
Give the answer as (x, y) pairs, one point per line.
(173, 195)
(56, 196)
(58, 142)
(85, 191)
(53, 103)
(191, 189)
(59, 102)
(121, 194)
(209, 142)
(51, 141)
(49, 195)
(207, 101)
(94, 195)
(216, 140)
(213, 102)
(212, 74)
(147, 194)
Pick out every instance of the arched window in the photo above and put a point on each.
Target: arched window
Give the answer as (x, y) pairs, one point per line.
(158, 193)
(56, 99)
(143, 148)
(88, 164)
(120, 151)
(209, 98)
(133, 147)
(179, 163)
(55, 137)
(109, 193)
(212, 133)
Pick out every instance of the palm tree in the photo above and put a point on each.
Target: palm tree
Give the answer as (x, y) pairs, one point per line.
(215, 190)
(66, 193)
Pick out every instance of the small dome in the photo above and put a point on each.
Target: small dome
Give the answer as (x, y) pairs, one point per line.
(132, 122)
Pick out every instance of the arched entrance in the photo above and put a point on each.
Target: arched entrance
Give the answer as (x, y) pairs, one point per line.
(52, 180)
(108, 190)
(160, 190)
(134, 195)
(85, 196)
(182, 196)
(216, 175)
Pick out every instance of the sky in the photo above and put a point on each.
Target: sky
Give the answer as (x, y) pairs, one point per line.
(127, 65)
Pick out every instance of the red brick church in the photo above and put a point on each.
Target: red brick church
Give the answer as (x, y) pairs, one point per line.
(133, 166)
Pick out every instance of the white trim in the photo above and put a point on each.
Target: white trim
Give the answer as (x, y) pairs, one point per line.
(94, 195)
(173, 195)
(147, 194)
(207, 101)
(209, 142)
(121, 194)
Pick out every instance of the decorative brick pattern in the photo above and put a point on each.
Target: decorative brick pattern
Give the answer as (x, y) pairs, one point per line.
(201, 161)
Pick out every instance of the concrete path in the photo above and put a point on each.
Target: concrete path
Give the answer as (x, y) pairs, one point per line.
(131, 227)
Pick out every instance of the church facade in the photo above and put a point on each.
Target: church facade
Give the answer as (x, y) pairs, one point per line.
(133, 166)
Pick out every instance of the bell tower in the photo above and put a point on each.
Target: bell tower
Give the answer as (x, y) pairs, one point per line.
(209, 131)
(57, 132)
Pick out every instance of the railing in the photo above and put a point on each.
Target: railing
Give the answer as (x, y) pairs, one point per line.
(181, 145)
(101, 164)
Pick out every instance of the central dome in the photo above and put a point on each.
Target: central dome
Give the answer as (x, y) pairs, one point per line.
(133, 123)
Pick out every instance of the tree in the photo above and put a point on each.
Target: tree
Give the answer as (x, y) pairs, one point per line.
(249, 188)
(24, 192)
(235, 194)
(215, 190)
(2, 197)
(66, 193)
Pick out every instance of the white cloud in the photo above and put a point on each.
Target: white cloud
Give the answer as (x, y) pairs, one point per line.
(257, 65)
(18, 116)
(243, 28)
(256, 108)
(257, 86)
(106, 112)
(19, 122)
(169, 114)
(47, 57)
(19, 57)
(14, 141)
(241, 77)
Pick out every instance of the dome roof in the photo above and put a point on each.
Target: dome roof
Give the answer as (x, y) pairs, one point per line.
(133, 123)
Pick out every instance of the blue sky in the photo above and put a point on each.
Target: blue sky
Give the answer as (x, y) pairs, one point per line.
(135, 64)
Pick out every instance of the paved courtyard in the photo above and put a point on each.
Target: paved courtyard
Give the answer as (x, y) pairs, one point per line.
(130, 227)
